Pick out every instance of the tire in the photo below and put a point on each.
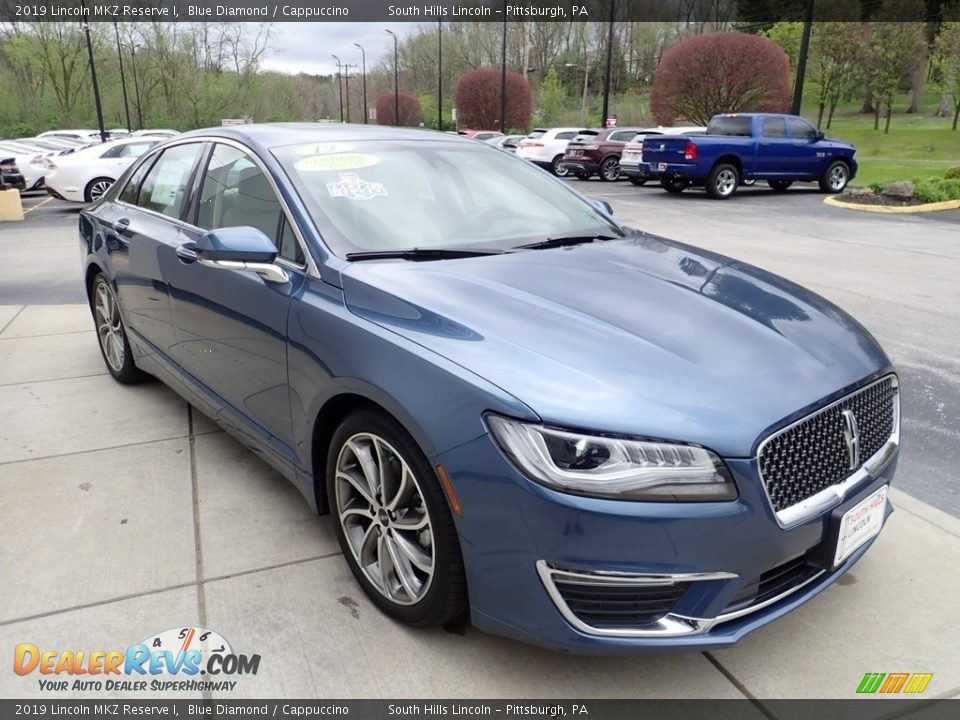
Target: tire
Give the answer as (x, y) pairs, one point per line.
(674, 185)
(430, 589)
(723, 181)
(610, 169)
(96, 188)
(111, 333)
(835, 177)
(638, 181)
(779, 185)
(558, 168)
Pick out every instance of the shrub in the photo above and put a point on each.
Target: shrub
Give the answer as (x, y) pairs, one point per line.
(717, 73)
(478, 100)
(930, 190)
(877, 187)
(410, 111)
(953, 173)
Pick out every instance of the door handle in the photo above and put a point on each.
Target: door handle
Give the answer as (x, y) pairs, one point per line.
(121, 224)
(186, 254)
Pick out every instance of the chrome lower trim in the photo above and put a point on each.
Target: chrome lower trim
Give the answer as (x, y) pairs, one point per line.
(670, 625)
(727, 617)
(832, 496)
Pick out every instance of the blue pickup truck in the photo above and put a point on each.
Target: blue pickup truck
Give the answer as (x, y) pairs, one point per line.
(738, 147)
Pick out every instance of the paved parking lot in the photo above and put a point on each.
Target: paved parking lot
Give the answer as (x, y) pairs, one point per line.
(124, 513)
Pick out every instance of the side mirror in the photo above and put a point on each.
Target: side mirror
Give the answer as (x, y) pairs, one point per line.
(240, 248)
(820, 135)
(604, 207)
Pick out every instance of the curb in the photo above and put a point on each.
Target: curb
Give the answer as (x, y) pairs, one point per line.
(904, 210)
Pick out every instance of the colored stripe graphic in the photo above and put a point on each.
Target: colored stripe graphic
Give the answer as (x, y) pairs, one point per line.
(870, 683)
(918, 682)
(894, 683)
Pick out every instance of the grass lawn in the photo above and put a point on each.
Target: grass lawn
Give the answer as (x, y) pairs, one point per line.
(919, 145)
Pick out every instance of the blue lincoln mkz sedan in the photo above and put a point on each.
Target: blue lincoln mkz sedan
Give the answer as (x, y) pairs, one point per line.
(584, 436)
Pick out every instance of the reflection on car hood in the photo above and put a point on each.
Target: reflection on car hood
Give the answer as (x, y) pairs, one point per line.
(640, 336)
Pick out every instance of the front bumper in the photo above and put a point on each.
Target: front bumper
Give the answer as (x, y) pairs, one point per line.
(517, 535)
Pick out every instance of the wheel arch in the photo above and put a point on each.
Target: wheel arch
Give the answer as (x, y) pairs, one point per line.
(729, 160)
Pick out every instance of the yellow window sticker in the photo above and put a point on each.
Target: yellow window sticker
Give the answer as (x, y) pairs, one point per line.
(336, 161)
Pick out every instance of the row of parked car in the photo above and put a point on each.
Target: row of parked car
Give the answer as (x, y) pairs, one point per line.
(734, 149)
(73, 165)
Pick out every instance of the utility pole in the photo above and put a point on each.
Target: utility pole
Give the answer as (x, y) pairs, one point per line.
(396, 79)
(339, 85)
(136, 84)
(363, 60)
(802, 60)
(93, 77)
(346, 88)
(606, 81)
(123, 79)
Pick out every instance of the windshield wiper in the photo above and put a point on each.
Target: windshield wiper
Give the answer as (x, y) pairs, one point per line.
(434, 253)
(565, 241)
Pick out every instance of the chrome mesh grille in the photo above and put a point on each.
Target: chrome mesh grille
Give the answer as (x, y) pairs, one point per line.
(812, 455)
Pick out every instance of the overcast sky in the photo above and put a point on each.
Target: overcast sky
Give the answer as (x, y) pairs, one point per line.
(307, 47)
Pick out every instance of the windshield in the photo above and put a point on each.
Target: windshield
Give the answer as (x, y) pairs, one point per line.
(388, 195)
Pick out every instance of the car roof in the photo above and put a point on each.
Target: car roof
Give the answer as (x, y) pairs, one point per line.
(271, 135)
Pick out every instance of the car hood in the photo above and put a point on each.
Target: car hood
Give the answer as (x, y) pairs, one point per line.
(642, 336)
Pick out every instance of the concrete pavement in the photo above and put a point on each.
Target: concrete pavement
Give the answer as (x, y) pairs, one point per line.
(124, 513)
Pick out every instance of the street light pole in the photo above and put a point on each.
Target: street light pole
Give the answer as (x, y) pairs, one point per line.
(123, 79)
(93, 77)
(346, 88)
(136, 83)
(802, 61)
(396, 79)
(440, 75)
(606, 81)
(503, 73)
(339, 86)
(363, 60)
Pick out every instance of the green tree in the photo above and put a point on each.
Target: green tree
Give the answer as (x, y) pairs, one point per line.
(946, 64)
(552, 98)
(895, 46)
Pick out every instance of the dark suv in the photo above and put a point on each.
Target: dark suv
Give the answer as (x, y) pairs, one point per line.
(10, 176)
(598, 153)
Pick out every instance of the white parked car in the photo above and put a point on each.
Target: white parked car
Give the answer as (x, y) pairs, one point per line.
(30, 160)
(85, 135)
(156, 133)
(631, 158)
(545, 147)
(86, 174)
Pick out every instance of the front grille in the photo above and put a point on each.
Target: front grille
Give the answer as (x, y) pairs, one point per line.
(619, 606)
(812, 455)
(773, 583)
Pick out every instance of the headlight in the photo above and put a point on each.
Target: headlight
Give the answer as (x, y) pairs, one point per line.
(612, 467)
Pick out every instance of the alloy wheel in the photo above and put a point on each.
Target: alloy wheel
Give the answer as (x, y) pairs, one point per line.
(384, 517)
(726, 182)
(559, 169)
(109, 326)
(610, 170)
(838, 177)
(99, 188)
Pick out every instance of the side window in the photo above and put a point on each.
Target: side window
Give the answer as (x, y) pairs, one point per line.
(623, 137)
(801, 129)
(112, 152)
(135, 149)
(235, 192)
(289, 247)
(164, 189)
(566, 135)
(774, 127)
(131, 189)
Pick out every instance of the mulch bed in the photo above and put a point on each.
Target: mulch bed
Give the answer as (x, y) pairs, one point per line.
(876, 199)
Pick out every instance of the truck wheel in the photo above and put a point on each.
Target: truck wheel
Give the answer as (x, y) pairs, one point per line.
(779, 185)
(638, 181)
(610, 170)
(722, 181)
(559, 169)
(674, 185)
(835, 177)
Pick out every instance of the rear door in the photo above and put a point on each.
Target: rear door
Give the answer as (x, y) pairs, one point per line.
(142, 231)
(775, 150)
(231, 325)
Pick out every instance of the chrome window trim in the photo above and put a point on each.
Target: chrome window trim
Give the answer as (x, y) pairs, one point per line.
(832, 496)
(310, 268)
(670, 625)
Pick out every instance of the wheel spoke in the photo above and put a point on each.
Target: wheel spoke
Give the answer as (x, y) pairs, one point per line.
(357, 484)
(414, 553)
(402, 490)
(411, 522)
(368, 466)
(385, 565)
(402, 569)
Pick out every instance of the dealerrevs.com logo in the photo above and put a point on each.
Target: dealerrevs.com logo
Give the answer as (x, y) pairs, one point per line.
(187, 659)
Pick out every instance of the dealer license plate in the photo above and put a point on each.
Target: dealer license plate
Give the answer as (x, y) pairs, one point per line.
(860, 523)
(630, 156)
(661, 166)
